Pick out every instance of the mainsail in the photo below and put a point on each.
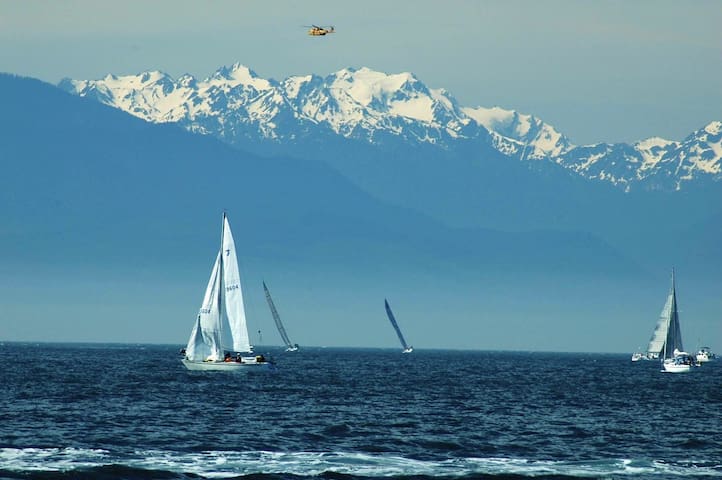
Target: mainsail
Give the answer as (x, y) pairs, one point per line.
(277, 318)
(222, 308)
(395, 325)
(667, 336)
(235, 313)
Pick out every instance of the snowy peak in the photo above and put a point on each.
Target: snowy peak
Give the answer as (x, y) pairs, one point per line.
(375, 101)
(239, 107)
(544, 139)
(702, 151)
(652, 150)
(655, 163)
(367, 87)
(713, 128)
(237, 75)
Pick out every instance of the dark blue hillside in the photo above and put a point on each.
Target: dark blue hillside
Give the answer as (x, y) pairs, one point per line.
(475, 186)
(84, 183)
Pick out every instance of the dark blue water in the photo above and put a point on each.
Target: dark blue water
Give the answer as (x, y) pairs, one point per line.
(72, 411)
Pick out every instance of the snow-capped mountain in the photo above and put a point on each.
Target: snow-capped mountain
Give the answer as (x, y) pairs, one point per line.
(540, 140)
(234, 101)
(382, 109)
(656, 163)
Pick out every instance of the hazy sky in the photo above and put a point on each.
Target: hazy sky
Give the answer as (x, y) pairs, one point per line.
(598, 71)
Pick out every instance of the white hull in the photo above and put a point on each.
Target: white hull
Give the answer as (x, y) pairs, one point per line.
(408, 350)
(227, 366)
(292, 349)
(682, 362)
(676, 368)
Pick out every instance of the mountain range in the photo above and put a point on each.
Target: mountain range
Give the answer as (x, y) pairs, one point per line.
(392, 111)
(418, 148)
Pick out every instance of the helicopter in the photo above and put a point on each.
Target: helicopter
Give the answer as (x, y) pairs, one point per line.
(316, 31)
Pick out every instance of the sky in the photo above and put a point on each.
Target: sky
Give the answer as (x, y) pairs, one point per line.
(604, 71)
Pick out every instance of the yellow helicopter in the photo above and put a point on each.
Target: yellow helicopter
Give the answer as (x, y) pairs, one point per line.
(316, 31)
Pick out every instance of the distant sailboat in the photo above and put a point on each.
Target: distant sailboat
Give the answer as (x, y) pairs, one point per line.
(290, 347)
(220, 328)
(392, 319)
(666, 341)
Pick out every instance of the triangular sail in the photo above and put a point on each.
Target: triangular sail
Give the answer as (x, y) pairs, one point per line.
(673, 341)
(667, 336)
(395, 325)
(232, 292)
(206, 337)
(277, 317)
(659, 337)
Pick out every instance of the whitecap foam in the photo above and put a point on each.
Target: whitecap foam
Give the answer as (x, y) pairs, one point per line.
(227, 463)
(52, 459)
(220, 464)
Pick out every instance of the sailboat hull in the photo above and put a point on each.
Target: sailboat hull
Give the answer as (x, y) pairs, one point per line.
(676, 368)
(227, 366)
(682, 362)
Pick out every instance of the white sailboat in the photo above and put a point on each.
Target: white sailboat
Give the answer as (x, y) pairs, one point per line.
(290, 347)
(392, 319)
(219, 339)
(666, 341)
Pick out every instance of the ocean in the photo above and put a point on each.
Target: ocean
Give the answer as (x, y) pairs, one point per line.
(133, 411)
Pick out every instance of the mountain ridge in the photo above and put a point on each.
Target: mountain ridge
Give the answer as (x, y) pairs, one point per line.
(385, 110)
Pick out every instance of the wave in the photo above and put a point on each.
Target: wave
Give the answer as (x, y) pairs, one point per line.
(266, 465)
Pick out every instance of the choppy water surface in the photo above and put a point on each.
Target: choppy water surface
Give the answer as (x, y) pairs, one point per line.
(104, 411)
